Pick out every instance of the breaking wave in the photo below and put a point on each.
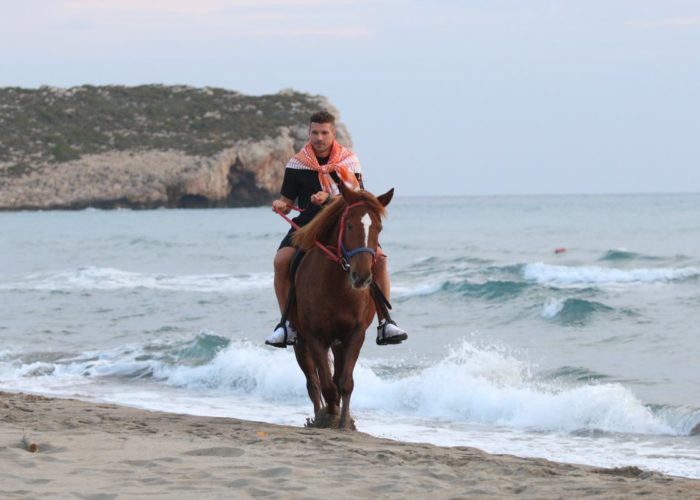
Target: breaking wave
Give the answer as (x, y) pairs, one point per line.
(586, 275)
(573, 311)
(486, 384)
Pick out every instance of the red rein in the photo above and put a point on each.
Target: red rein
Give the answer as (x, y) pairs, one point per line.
(296, 226)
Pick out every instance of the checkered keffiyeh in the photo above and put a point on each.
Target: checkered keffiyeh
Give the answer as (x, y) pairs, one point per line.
(342, 161)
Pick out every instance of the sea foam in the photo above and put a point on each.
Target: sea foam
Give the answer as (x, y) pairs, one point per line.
(105, 278)
(585, 275)
(472, 384)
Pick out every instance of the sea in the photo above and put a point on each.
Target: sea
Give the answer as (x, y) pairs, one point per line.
(563, 327)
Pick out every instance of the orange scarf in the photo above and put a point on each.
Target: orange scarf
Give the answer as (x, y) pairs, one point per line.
(339, 154)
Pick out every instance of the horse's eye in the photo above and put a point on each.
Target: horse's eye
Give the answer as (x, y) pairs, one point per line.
(349, 226)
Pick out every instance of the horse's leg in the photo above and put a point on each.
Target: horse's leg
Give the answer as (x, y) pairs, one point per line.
(306, 363)
(346, 382)
(328, 388)
(338, 358)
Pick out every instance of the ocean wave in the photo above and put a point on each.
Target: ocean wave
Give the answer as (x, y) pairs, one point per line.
(485, 385)
(685, 419)
(493, 290)
(489, 290)
(564, 275)
(621, 254)
(128, 362)
(492, 387)
(575, 374)
(573, 311)
(105, 278)
(499, 282)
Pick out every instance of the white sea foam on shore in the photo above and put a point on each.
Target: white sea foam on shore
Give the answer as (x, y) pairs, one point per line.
(487, 385)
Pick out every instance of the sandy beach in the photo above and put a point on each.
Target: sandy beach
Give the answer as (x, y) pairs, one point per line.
(101, 451)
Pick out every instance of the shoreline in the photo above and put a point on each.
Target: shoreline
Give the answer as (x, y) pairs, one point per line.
(87, 449)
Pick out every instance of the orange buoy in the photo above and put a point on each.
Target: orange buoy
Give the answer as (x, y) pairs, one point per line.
(560, 250)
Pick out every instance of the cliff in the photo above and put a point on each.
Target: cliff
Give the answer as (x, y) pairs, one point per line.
(148, 146)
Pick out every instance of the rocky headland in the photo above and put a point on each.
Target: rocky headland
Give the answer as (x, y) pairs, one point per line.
(148, 146)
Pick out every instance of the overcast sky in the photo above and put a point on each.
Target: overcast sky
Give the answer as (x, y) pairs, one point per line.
(441, 97)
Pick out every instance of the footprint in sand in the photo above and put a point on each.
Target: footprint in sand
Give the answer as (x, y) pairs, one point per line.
(276, 472)
(216, 452)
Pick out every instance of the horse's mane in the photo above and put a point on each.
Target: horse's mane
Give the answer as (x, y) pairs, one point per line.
(321, 227)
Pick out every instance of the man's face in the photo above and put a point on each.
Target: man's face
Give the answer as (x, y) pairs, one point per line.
(321, 137)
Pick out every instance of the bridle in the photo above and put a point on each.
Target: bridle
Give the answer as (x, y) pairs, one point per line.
(343, 255)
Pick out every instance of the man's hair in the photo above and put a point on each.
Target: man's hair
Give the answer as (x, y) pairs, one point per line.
(322, 117)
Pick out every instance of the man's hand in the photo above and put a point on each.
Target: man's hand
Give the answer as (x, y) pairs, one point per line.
(281, 206)
(319, 198)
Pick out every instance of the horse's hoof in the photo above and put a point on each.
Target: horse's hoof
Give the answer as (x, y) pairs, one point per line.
(347, 426)
(324, 420)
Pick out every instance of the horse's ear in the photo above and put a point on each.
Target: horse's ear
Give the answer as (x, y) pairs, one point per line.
(348, 194)
(385, 198)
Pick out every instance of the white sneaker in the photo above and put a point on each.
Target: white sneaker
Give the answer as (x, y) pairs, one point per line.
(283, 336)
(389, 332)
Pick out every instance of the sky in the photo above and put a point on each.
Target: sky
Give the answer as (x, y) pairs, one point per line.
(441, 97)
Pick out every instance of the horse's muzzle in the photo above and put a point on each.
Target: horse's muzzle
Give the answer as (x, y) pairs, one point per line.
(360, 282)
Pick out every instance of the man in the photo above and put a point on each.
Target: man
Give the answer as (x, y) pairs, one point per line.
(306, 182)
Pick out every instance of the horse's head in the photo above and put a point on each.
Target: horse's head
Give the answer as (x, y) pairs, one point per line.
(358, 238)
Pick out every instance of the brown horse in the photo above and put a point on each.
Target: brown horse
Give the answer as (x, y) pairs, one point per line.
(334, 307)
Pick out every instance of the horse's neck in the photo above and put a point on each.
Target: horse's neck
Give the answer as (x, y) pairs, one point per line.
(332, 239)
(331, 243)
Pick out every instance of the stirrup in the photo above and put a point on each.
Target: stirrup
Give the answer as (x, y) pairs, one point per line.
(286, 341)
(382, 339)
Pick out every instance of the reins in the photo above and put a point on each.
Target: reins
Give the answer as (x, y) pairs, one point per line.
(342, 255)
(330, 254)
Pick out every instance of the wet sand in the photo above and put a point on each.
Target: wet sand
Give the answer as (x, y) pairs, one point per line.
(102, 451)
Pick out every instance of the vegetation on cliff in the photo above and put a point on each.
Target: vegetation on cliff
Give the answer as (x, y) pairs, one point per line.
(48, 126)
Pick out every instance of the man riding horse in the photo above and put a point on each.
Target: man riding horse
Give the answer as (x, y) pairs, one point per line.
(312, 177)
